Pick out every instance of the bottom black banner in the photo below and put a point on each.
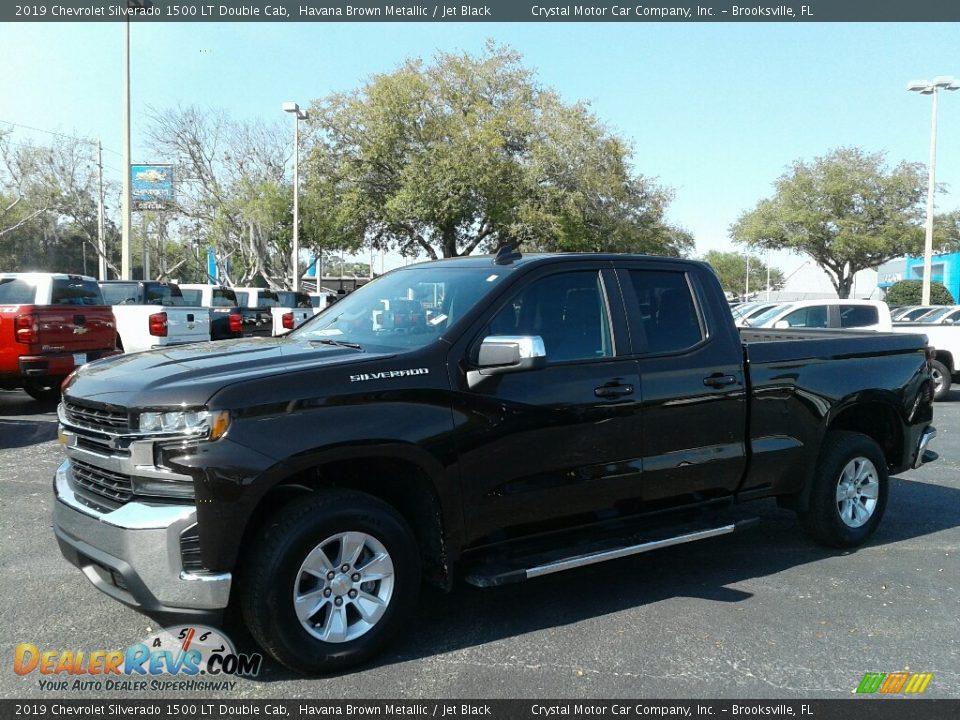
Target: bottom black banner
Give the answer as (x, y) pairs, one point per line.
(846, 709)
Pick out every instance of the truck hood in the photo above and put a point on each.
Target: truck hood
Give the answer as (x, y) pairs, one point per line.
(192, 374)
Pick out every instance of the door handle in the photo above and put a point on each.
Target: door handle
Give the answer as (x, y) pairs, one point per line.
(613, 390)
(718, 381)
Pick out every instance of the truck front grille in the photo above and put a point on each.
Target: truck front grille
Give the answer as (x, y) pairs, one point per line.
(96, 418)
(113, 486)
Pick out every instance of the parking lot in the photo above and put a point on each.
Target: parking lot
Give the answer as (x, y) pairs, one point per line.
(761, 614)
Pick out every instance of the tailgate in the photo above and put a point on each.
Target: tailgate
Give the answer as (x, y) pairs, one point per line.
(72, 328)
(186, 325)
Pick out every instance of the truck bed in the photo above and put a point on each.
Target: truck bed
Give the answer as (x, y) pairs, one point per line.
(802, 344)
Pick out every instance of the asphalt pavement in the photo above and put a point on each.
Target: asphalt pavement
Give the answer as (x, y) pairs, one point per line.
(761, 614)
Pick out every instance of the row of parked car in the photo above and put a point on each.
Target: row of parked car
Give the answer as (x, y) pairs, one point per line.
(51, 323)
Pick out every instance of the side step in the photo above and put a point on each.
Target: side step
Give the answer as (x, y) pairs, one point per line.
(525, 568)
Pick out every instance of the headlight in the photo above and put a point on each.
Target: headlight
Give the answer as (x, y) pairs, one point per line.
(186, 422)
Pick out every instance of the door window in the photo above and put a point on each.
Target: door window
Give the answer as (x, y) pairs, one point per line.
(667, 309)
(852, 316)
(808, 317)
(567, 311)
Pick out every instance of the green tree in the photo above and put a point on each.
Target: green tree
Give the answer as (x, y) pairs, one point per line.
(946, 232)
(470, 152)
(910, 292)
(846, 210)
(731, 269)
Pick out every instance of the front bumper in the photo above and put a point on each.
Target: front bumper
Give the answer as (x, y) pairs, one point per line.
(133, 553)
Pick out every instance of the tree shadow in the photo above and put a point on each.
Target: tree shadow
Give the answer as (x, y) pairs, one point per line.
(469, 616)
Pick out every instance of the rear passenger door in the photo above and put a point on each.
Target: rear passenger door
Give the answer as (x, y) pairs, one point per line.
(689, 360)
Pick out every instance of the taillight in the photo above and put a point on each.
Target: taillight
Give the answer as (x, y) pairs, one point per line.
(26, 328)
(236, 323)
(158, 324)
(288, 321)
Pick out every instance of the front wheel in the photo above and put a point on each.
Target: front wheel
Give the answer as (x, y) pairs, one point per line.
(849, 492)
(942, 380)
(331, 579)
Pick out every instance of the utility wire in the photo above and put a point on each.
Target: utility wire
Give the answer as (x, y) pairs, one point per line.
(57, 134)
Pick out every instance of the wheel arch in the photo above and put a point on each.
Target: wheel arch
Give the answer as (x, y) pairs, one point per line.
(396, 476)
(877, 418)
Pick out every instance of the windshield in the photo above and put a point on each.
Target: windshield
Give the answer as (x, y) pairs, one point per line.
(936, 314)
(403, 310)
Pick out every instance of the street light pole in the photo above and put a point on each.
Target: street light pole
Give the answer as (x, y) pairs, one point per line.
(931, 87)
(298, 115)
(125, 229)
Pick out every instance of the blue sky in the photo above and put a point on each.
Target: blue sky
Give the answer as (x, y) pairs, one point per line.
(715, 111)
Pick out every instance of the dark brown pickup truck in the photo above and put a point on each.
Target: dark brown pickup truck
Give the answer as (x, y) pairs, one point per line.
(527, 415)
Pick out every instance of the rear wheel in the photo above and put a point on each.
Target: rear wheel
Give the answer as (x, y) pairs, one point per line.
(331, 579)
(942, 380)
(43, 389)
(849, 493)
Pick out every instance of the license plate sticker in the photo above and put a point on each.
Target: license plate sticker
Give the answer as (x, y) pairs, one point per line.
(79, 359)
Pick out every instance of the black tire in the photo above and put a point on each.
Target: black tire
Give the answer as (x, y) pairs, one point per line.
(274, 573)
(829, 520)
(941, 380)
(43, 390)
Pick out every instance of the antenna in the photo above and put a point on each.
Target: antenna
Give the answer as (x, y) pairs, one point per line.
(506, 255)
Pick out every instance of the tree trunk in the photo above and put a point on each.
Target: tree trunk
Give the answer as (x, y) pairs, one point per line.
(844, 285)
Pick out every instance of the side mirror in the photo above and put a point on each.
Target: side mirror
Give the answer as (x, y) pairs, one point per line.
(500, 354)
(781, 325)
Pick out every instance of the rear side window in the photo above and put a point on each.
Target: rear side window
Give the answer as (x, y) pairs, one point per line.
(192, 297)
(224, 297)
(14, 291)
(119, 293)
(268, 298)
(852, 316)
(76, 291)
(669, 314)
(808, 317)
(169, 295)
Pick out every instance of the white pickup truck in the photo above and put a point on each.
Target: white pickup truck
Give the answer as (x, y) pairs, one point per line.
(288, 309)
(153, 314)
(946, 340)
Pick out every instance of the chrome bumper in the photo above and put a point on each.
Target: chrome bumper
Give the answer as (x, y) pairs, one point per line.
(929, 434)
(133, 553)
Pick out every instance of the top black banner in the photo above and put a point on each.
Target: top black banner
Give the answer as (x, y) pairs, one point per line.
(490, 11)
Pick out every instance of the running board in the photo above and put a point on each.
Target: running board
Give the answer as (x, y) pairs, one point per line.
(487, 576)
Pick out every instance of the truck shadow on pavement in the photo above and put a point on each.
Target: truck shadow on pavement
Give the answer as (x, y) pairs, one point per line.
(21, 433)
(469, 616)
(16, 433)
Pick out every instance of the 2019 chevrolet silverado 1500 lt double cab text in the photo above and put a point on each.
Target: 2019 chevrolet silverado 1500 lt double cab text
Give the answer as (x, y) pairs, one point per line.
(546, 412)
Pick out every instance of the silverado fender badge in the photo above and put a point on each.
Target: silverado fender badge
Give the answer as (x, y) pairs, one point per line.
(388, 374)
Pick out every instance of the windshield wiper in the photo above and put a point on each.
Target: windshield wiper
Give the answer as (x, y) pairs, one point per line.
(338, 343)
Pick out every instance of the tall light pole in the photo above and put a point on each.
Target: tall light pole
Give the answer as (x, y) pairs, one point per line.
(298, 115)
(931, 87)
(125, 251)
(132, 7)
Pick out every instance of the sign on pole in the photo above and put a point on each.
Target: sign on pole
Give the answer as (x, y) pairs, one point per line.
(151, 186)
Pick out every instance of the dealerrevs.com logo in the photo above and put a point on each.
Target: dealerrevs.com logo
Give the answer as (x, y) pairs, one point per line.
(894, 683)
(171, 660)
